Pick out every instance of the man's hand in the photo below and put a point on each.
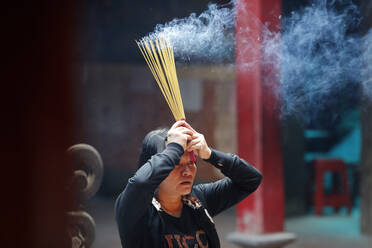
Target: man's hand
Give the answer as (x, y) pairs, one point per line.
(198, 144)
(179, 134)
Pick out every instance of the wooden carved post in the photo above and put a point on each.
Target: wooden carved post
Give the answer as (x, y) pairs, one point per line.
(86, 180)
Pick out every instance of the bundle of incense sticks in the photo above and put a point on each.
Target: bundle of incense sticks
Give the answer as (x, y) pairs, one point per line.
(159, 56)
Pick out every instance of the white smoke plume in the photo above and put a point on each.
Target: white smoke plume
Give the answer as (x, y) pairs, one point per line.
(319, 60)
(208, 36)
(367, 65)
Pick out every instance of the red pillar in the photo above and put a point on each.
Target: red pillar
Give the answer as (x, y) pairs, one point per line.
(258, 125)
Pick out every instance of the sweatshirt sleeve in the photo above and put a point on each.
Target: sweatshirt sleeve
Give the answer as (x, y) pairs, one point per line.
(137, 196)
(241, 180)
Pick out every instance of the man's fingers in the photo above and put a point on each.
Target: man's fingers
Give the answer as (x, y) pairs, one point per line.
(194, 147)
(192, 144)
(184, 125)
(189, 127)
(181, 129)
(184, 130)
(194, 141)
(178, 124)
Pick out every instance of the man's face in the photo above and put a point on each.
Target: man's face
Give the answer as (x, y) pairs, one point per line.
(179, 182)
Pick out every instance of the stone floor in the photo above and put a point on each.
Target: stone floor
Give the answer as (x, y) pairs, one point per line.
(331, 230)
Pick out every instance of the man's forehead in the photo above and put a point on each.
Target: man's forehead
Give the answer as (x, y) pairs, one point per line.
(185, 158)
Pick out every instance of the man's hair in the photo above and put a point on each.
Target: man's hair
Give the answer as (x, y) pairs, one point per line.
(153, 143)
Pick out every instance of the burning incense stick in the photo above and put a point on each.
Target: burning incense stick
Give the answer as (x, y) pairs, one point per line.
(160, 59)
(159, 56)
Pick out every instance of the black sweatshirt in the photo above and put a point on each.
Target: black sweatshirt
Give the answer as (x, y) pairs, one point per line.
(142, 222)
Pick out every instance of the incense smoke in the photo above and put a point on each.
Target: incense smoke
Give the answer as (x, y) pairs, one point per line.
(209, 36)
(321, 59)
(367, 66)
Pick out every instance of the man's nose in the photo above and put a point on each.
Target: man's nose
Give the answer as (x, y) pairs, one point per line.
(186, 171)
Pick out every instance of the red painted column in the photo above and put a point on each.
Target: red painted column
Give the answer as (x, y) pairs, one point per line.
(259, 140)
